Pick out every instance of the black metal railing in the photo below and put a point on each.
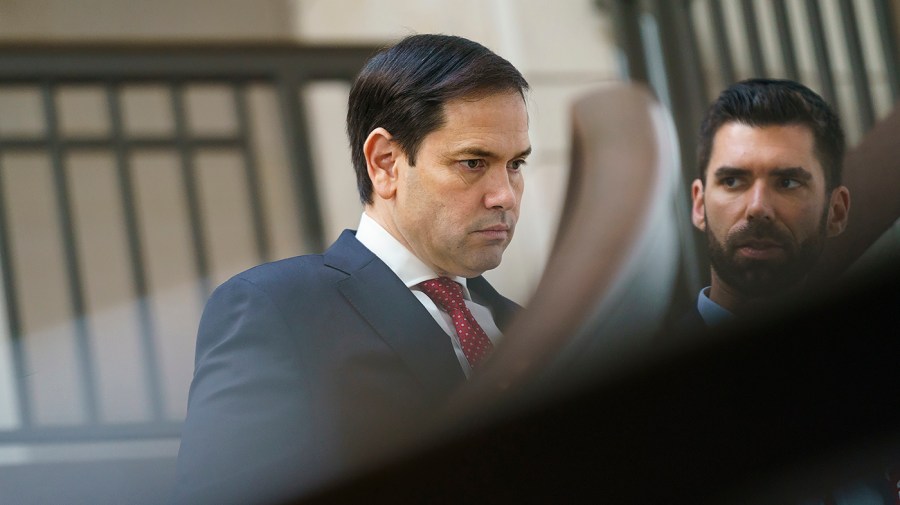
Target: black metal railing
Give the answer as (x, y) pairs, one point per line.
(661, 41)
(46, 72)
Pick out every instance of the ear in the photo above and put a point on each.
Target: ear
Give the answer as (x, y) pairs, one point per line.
(381, 153)
(838, 211)
(698, 209)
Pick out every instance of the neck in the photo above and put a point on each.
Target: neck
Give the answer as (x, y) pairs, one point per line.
(382, 216)
(723, 295)
(741, 303)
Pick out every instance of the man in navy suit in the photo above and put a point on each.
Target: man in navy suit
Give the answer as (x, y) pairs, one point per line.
(301, 362)
(768, 196)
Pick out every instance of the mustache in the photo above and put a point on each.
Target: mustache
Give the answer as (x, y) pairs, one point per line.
(758, 230)
(499, 218)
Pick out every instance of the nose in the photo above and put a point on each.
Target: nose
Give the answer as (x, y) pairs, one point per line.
(759, 202)
(501, 190)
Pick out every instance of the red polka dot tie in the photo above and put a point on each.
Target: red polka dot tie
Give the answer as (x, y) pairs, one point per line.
(448, 296)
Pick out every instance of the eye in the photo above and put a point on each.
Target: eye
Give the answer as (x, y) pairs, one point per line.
(729, 182)
(787, 183)
(474, 164)
(516, 165)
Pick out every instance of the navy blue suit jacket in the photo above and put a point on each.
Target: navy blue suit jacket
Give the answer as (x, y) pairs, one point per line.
(690, 322)
(297, 361)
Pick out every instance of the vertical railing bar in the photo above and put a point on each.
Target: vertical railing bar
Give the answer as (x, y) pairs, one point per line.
(135, 251)
(864, 105)
(884, 17)
(67, 229)
(723, 47)
(691, 37)
(293, 114)
(633, 66)
(786, 42)
(752, 32)
(251, 173)
(189, 179)
(21, 376)
(820, 47)
(690, 269)
(687, 102)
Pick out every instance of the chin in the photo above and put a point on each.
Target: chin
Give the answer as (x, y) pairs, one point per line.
(483, 266)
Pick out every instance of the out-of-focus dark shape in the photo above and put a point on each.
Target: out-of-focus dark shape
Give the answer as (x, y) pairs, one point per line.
(872, 175)
(777, 410)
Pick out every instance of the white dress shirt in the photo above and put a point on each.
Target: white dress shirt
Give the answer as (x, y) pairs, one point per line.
(411, 270)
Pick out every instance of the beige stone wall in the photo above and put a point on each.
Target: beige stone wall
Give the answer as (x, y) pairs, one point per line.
(136, 20)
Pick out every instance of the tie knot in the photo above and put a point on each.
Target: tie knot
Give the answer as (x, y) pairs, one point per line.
(445, 292)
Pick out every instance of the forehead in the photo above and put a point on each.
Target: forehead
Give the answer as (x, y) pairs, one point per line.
(498, 118)
(763, 148)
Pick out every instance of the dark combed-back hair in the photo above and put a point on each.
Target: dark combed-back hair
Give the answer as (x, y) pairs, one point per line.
(767, 102)
(404, 87)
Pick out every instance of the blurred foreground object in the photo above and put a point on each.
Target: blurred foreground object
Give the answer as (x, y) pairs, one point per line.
(872, 174)
(784, 408)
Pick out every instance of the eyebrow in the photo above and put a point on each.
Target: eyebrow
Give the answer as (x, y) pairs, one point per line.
(793, 172)
(484, 153)
(729, 172)
(799, 173)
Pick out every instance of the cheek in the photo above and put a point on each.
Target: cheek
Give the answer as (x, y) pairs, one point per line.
(517, 180)
(805, 220)
(416, 207)
(721, 214)
(518, 187)
(718, 228)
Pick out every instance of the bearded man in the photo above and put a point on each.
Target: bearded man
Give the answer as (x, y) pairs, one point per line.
(768, 196)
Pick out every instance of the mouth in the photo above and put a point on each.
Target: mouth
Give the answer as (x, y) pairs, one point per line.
(760, 250)
(496, 232)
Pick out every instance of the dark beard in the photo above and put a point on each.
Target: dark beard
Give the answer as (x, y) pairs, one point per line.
(755, 278)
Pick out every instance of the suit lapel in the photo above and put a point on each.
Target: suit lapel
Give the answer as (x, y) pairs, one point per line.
(396, 315)
(503, 309)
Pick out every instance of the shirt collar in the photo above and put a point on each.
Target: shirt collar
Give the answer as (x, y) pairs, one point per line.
(711, 312)
(409, 268)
